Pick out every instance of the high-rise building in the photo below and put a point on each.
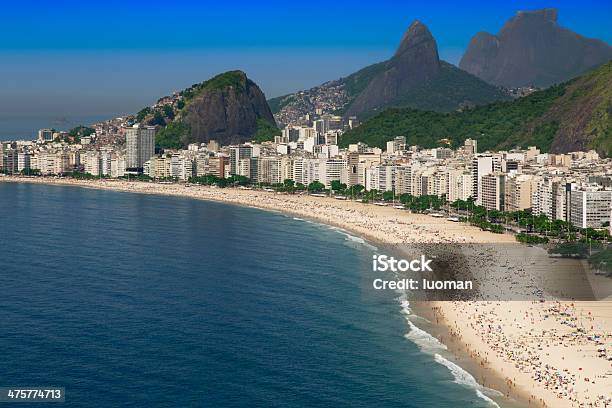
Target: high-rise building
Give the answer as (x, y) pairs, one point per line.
(493, 191)
(10, 161)
(590, 209)
(23, 161)
(519, 192)
(332, 171)
(238, 153)
(140, 145)
(45, 135)
(269, 170)
(482, 165)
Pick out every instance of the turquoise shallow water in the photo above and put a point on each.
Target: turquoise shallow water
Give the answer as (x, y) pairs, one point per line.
(138, 300)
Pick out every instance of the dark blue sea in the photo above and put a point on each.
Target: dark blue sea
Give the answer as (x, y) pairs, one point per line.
(26, 127)
(131, 300)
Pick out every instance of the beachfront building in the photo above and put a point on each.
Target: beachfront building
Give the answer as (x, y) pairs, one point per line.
(381, 178)
(590, 208)
(23, 162)
(117, 165)
(181, 166)
(403, 180)
(50, 162)
(140, 145)
(459, 184)
(481, 166)
(358, 161)
(93, 163)
(217, 166)
(271, 169)
(332, 171)
(492, 193)
(307, 170)
(238, 153)
(10, 160)
(518, 192)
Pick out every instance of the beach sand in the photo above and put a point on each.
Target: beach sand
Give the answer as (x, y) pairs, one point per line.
(522, 348)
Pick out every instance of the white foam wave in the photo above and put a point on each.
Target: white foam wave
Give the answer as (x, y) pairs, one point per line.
(404, 303)
(464, 378)
(298, 219)
(353, 238)
(431, 345)
(425, 341)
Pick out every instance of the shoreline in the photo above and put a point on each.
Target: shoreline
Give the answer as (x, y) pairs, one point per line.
(384, 226)
(359, 218)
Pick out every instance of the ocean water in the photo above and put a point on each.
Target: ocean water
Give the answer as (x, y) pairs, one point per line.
(136, 300)
(26, 128)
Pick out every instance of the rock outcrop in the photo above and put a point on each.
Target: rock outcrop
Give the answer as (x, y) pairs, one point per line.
(227, 109)
(416, 61)
(532, 49)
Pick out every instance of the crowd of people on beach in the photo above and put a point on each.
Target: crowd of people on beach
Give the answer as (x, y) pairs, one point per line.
(538, 332)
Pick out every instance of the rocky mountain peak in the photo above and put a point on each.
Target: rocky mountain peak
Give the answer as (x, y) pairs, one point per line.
(415, 62)
(417, 35)
(532, 49)
(547, 14)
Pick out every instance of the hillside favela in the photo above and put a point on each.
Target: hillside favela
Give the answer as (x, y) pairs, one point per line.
(434, 233)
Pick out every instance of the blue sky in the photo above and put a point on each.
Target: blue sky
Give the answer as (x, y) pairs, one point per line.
(108, 57)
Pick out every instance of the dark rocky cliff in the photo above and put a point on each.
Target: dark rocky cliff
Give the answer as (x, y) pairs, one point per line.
(226, 109)
(415, 62)
(532, 49)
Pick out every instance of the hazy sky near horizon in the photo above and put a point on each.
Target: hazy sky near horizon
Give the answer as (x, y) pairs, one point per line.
(69, 58)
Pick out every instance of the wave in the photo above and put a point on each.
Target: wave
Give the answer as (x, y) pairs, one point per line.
(431, 345)
(349, 237)
(464, 378)
(353, 238)
(425, 341)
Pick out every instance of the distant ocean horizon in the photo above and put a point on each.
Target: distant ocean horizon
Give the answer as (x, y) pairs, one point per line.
(142, 300)
(26, 127)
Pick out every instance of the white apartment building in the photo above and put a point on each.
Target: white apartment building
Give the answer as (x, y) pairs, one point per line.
(181, 167)
(381, 178)
(23, 161)
(481, 166)
(590, 208)
(403, 180)
(493, 191)
(93, 163)
(238, 153)
(460, 185)
(117, 165)
(332, 170)
(270, 170)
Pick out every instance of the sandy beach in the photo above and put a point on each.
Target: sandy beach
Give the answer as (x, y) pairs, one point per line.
(552, 353)
(380, 224)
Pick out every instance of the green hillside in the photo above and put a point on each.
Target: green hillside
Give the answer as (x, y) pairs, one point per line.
(451, 89)
(279, 102)
(358, 81)
(354, 85)
(571, 116)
